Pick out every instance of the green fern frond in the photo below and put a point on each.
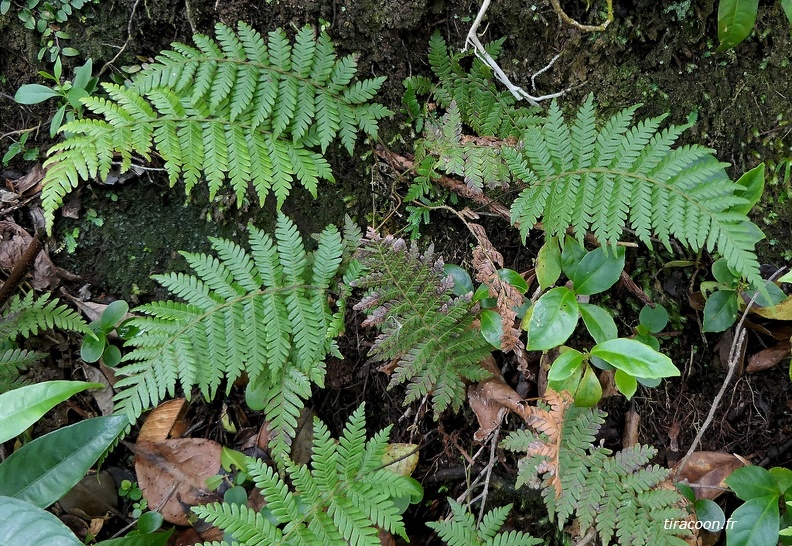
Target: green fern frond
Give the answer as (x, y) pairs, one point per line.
(461, 529)
(262, 312)
(342, 499)
(29, 315)
(237, 109)
(425, 330)
(623, 175)
(619, 496)
(12, 363)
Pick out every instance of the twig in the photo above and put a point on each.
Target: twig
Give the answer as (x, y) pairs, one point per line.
(488, 474)
(126, 43)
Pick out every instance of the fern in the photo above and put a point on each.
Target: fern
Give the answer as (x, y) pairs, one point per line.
(264, 313)
(341, 500)
(238, 108)
(425, 331)
(604, 179)
(461, 529)
(26, 317)
(616, 495)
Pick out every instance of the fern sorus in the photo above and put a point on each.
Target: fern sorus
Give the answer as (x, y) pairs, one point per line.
(605, 178)
(341, 500)
(461, 529)
(238, 108)
(619, 496)
(26, 317)
(264, 312)
(425, 331)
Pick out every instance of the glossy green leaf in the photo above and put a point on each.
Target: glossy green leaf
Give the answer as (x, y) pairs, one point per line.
(649, 340)
(44, 470)
(571, 255)
(93, 347)
(626, 383)
(720, 311)
(553, 319)
(112, 314)
(22, 407)
(111, 356)
(548, 263)
(34, 93)
(598, 271)
(567, 363)
(736, 19)
(510, 276)
(755, 523)
(589, 392)
(635, 358)
(569, 384)
(491, 327)
(654, 319)
(752, 184)
(462, 281)
(32, 526)
(149, 522)
(599, 322)
(723, 273)
(153, 539)
(751, 482)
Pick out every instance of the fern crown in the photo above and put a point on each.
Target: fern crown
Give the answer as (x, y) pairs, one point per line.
(238, 108)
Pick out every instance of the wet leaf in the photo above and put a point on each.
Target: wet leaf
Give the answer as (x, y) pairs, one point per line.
(598, 270)
(635, 358)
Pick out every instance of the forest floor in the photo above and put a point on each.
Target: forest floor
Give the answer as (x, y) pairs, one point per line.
(660, 54)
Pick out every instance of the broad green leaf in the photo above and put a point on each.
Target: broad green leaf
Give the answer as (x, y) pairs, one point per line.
(491, 327)
(626, 383)
(770, 296)
(569, 384)
(548, 263)
(783, 478)
(755, 523)
(589, 392)
(112, 314)
(82, 75)
(553, 319)
(752, 184)
(599, 322)
(570, 257)
(736, 19)
(482, 293)
(44, 470)
(787, 5)
(24, 406)
(654, 319)
(567, 363)
(686, 491)
(598, 271)
(93, 347)
(709, 511)
(32, 526)
(149, 522)
(720, 311)
(34, 93)
(153, 539)
(510, 276)
(111, 356)
(462, 281)
(635, 358)
(750, 482)
(723, 273)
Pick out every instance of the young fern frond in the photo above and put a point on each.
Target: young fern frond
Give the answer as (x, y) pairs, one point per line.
(619, 496)
(605, 179)
(262, 312)
(238, 108)
(341, 500)
(29, 315)
(461, 529)
(424, 329)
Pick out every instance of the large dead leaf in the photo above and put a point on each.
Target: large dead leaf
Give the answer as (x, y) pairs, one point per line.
(30, 181)
(767, 358)
(172, 475)
(165, 421)
(492, 399)
(706, 471)
(782, 311)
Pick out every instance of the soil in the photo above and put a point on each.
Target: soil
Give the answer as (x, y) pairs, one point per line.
(661, 54)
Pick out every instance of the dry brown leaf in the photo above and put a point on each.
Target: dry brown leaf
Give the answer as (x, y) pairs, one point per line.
(492, 399)
(13, 242)
(30, 181)
(632, 423)
(172, 475)
(103, 397)
(767, 358)
(165, 421)
(781, 311)
(706, 471)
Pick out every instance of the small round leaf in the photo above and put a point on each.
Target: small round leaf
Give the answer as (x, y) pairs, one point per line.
(654, 319)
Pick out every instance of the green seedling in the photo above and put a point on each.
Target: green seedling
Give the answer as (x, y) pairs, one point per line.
(98, 346)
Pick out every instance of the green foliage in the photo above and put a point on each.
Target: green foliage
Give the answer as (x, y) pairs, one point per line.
(461, 529)
(26, 317)
(619, 496)
(264, 312)
(20, 147)
(48, 17)
(237, 108)
(98, 346)
(337, 502)
(424, 329)
(758, 519)
(605, 179)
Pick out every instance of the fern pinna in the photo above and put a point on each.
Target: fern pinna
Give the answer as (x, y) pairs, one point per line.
(602, 179)
(461, 529)
(619, 496)
(341, 500)
(26, 317)
(426, 331)
(264, 313)
(237, 108)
